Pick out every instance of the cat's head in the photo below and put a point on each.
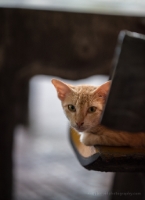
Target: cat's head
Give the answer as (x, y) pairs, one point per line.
(82, 104)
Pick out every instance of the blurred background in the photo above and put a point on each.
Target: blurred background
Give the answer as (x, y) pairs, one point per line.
(39, 40)
(45, 165)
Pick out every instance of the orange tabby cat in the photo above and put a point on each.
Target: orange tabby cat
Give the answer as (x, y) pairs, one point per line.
(83, 106)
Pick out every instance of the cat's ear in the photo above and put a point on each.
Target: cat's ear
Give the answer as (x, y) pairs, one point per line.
(103, 90)
(61, 88)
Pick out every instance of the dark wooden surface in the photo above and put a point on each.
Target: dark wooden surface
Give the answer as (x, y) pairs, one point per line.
(125, 106)
(128, 186)
(51, 42)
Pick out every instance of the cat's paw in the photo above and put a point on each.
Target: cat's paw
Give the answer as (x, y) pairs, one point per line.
(85, 138)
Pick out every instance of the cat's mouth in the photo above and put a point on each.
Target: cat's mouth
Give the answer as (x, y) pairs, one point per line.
(80, 129)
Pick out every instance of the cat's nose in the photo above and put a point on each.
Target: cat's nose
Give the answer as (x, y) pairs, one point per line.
(79, 124)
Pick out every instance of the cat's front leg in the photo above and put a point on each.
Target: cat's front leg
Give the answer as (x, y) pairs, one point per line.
(90, 139)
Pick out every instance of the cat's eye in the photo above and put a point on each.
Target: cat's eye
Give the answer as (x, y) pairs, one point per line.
(71, 108)
(92, 109)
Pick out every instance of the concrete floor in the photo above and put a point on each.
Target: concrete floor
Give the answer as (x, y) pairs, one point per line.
(45, 165)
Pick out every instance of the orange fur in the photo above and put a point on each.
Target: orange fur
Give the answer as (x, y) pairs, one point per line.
(83, 106)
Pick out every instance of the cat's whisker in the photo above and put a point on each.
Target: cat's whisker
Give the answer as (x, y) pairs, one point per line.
(84, 111)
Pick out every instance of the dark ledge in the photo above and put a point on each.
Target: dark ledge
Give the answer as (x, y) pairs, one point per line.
(108, 159)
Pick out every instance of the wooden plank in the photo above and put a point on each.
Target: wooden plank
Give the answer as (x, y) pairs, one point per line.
(125, 106)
